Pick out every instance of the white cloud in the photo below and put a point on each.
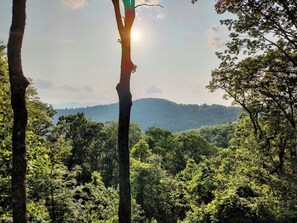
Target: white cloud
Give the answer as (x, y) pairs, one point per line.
(153, 90)
(70, 88)
(160, 15)
(77, 89)
(217, 36)
(43, 84)
(88, 89)
(74, 4)
(48, 85)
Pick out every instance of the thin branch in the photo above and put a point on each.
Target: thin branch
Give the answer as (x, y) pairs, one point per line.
(149, 5)
(272, 42)
(118, 16)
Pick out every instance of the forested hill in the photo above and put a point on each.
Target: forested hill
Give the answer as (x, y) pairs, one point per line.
(161, 113)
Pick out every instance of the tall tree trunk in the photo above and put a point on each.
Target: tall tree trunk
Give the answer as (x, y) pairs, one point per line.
(125, 103)
(18, 85)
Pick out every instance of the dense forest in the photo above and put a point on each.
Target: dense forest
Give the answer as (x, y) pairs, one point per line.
(161, 113)
(215, 174)
(71, 171)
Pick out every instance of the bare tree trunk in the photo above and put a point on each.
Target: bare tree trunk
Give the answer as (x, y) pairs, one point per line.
(18, 85)
(125, 103)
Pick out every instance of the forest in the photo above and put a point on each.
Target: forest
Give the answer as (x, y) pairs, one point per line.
(245, 171)
(162, 113)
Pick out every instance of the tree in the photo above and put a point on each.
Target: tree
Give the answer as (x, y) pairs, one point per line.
(264, 82)
(39, 122)
(151, 185)
(125, 103)
(160, 140)
(124, 25)
(161, 143)
(141, 151)
(107, 155)
(189, 145)
(261, 25)
(219, 135)
(18, 85)
(85, 136)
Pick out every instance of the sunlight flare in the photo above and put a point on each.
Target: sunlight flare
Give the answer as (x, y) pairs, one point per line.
(135, 35)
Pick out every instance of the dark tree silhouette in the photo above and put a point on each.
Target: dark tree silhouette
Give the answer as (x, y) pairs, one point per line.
(18, 85)
(124, 24)
(125, 103)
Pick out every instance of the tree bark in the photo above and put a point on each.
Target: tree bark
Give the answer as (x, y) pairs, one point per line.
(18, 85)
(125, 103)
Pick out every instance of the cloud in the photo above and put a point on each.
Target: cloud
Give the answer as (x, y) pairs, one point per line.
(43, 84)
(74, 4)
(88, 89)
(153, 90)
(160, 15)
(70, 88)
(216, 36)
(76, 89)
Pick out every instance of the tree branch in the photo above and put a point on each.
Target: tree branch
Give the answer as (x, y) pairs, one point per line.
(117, 11)
(149, 5)
(129, 14)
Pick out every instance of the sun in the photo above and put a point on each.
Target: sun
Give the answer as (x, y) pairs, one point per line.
(135, 35)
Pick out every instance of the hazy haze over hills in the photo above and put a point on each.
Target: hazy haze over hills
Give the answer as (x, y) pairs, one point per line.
(161, 113)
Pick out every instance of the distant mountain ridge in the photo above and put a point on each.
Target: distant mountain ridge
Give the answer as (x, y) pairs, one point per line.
(161, 113)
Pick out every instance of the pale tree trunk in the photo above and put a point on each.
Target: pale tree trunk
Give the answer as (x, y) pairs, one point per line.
(125, 103)
(18, 85)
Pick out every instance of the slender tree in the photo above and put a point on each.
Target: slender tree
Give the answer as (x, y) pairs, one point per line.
(18, 85)
(124, 24)
(125, 103)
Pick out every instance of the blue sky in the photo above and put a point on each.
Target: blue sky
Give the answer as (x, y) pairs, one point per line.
(71, 53)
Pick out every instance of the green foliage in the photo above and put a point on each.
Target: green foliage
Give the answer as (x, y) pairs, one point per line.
(141, 151)
(189, 145)
(37, 212)
(5, 138)
(159, 140)
(54, 191)
(263, 81)
(80, 132)
(186, 177)
(225, 190)
(266, 165)
(96, 202)
(220, 135)
(152, 187)
(260, 25)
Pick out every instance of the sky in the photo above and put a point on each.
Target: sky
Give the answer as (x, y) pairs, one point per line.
(72, 55)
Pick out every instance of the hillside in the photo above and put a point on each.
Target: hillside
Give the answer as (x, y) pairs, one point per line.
(161, 113)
